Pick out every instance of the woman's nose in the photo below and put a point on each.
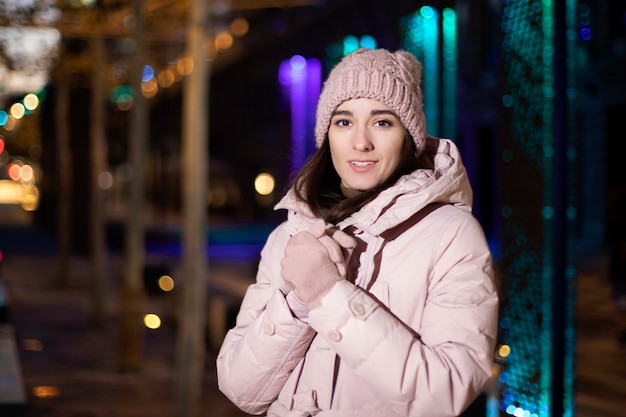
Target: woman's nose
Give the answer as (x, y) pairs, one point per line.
(362, 141)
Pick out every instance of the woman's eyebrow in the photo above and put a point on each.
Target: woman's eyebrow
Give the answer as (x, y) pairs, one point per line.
(389, 112)
(341, 112)
(373, 113)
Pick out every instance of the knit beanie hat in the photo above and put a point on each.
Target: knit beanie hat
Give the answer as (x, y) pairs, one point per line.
(392, 78)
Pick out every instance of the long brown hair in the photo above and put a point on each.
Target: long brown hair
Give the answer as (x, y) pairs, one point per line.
(318, 184)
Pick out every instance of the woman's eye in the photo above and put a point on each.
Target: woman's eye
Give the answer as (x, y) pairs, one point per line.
(383, 123)
(342, 122)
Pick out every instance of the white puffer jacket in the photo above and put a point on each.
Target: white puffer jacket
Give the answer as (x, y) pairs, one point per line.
(413, 336)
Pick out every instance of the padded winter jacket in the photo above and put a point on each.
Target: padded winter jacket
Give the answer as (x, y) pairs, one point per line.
(414, 335)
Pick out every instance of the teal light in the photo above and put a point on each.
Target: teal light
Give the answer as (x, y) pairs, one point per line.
(427, 12)
(367, 41)
(535, 261)
(449, 73)
(350, 44)
(4, 117)
(431, 68)
(431, 36)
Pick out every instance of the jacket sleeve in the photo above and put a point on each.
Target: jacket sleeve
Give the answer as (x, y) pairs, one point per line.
(435, 367)
(260, 352)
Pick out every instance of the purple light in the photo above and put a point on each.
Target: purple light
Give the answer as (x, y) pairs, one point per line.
(301, 79)
(297, 62)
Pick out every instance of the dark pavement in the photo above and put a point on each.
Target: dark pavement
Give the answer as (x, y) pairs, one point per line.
(68, 365)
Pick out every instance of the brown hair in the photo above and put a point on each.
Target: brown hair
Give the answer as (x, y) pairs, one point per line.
(318, 184)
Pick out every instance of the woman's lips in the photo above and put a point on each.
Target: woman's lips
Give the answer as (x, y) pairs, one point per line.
(362, 166)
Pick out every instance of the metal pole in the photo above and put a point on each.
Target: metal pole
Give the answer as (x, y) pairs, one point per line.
(133, 294)
(98, 166)
(191, 345)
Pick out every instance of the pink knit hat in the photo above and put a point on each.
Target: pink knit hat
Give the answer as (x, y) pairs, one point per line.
(393, 78)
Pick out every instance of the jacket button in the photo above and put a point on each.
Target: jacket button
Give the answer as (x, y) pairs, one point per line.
(269, 328)
(334, 336)
(357, 308)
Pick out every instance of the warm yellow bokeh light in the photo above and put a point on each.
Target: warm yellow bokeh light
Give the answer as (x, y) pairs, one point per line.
(30, 198)
(33, 345)
(185, 66)
(31, 101)
(27, 174)
(166, 78)
(166, 283)
(223, 41)
(264, 184)
(149, 88)
(152, 321)
(239, 26)
(504, 351)
(45, 391)
(18, 110)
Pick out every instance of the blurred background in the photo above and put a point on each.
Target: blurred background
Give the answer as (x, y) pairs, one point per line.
(144, 144)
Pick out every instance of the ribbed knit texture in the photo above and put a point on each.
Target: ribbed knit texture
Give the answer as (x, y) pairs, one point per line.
(391, 77)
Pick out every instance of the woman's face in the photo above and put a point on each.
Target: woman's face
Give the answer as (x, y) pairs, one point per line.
(365, 138)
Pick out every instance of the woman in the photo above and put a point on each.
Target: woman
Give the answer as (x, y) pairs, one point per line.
(375, 297)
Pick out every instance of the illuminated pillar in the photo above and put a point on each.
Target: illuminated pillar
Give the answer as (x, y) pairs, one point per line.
(449, 73)
(301, 82)
(431, 35)
(538, 211)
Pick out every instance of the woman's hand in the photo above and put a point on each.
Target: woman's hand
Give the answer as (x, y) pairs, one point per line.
(315, 260)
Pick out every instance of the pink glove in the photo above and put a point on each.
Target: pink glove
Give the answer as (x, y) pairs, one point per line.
(314, 261)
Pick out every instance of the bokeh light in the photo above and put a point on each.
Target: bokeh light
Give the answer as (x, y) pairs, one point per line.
(17, 110)
(32, 345)
(149, 88)
(14, 171)
(264, 184)
(148, 73)
(185, 65)
(166, 78)
(27, 174)
(152, 321)
(166, 283)
(45, 391)
(31, 101)
(105, 180)
(239, 26)
(223, 40)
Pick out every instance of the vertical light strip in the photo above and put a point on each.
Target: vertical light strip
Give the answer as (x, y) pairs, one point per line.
(314, 87)
(413, 26)
(569, 374)
(300, 79)
(431, 69)
(548, 213)
(449, 54)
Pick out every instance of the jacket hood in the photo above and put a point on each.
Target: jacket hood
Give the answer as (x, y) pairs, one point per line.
(443, 180)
